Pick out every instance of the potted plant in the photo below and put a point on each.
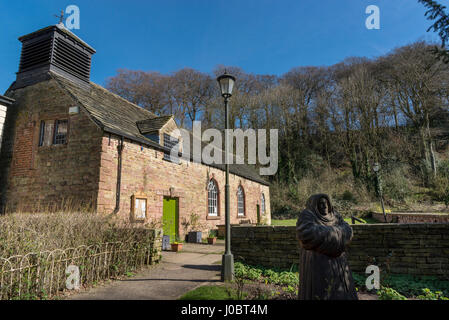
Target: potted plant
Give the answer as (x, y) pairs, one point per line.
(212, 238)
(176, 246)
(195, 235)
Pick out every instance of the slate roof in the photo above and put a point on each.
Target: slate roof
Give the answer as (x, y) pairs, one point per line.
(116, 115)
(153, 124)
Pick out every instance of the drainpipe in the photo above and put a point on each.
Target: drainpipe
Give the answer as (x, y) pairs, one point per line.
(119, 176)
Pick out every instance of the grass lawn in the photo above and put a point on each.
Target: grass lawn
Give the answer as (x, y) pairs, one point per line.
(287, 222)
(219, 292)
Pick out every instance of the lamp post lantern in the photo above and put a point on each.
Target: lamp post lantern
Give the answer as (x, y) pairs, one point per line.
(376, 169)
(226, 82)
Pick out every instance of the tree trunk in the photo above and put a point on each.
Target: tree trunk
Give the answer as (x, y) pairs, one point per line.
(425, 157)
(431, 148)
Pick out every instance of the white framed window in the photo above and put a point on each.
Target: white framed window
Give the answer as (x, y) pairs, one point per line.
(53, 132)
(61, 128)
(262, 203)
(240, 201)
(139, 207)
(212, 198)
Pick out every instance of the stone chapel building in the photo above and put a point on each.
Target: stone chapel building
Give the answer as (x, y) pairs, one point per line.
(68, 140)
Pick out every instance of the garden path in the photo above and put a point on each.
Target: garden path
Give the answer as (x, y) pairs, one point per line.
(176, 274)
(196, 265)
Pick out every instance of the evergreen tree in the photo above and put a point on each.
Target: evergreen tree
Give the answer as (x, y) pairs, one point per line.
(437, 12)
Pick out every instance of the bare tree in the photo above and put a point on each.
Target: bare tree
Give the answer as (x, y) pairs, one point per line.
(143, 88)
(348, 115)
(415, 77)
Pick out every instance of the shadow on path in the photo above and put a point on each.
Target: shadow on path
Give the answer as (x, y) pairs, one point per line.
(203, 267)
(189, 280)
(175, 275)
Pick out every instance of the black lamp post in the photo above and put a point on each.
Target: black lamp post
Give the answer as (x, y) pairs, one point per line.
(226, 82)
(376, 169)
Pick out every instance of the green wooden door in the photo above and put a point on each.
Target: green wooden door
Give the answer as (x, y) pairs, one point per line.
(170, 218)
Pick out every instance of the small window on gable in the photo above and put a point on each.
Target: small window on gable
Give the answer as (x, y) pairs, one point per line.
(53, 132)
(152, 136)
(42, 134)
(172, 144)
(61, 129)
(46, 133)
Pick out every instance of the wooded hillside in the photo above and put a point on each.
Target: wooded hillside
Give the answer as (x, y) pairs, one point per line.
(334, 122)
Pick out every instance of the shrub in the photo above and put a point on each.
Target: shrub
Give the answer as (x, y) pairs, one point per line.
(192, 223)
(37, 247)
(429, 295)
(267, 275)
(213, 233)
(288, 200)
(396, 183)
(407, 285)
(22, 233)
(386, 293)
(348, 196)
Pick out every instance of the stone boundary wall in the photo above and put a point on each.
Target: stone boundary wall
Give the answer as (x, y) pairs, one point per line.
(419, 249)
(412, 217)
(153, 241)
(268, 246)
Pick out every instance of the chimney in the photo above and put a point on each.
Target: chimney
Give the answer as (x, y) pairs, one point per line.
(56, 49)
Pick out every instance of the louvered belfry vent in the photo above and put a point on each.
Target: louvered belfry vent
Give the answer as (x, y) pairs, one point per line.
(71, 59)
(35, 54)
(55, 49)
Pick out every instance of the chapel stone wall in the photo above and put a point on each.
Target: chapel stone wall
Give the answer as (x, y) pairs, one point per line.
(146, 174)
(39, 178)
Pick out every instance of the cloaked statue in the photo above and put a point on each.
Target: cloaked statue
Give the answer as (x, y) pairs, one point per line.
(324, 272)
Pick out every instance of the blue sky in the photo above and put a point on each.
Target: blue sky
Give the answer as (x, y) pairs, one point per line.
(260, 36)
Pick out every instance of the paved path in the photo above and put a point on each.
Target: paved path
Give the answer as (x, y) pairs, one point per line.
(176, 274)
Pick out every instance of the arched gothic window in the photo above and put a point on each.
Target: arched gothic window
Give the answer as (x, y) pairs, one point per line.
(262, 203)
(212, 198)
(240, 201)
